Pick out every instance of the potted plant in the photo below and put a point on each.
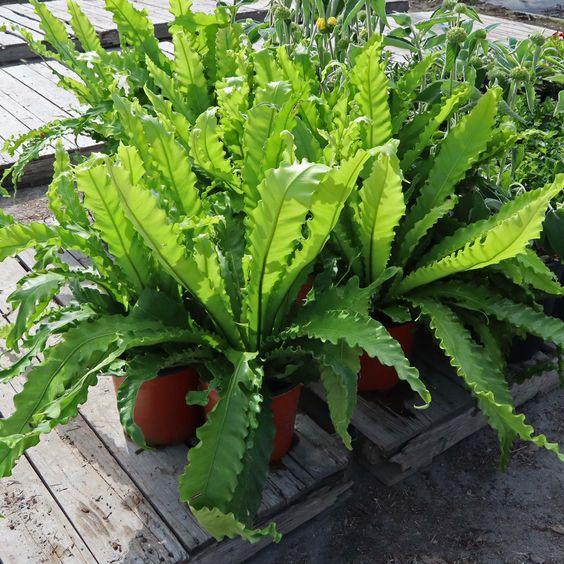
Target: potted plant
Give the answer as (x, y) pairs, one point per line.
(224, 211)
(423, 261)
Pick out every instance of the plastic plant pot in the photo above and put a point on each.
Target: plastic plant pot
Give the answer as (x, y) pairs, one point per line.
(374, 376)
(161, 410)
(284, 408)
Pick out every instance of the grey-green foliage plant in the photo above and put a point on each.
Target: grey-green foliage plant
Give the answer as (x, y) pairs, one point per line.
(201, 226)
(469, 281)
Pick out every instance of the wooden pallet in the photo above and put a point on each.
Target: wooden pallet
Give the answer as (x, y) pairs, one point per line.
(87, 493)
(395, 439)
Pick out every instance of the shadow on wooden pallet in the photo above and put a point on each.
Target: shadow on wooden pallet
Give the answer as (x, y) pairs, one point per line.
(395, 439)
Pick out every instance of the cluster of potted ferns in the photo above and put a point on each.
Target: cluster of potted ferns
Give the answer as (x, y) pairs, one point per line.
(253, 227)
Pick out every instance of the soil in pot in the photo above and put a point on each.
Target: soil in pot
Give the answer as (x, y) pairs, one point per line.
(284, 405)
(373, 375)
(161, 410)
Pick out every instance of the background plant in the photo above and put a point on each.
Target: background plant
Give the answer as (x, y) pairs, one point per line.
(427, 259)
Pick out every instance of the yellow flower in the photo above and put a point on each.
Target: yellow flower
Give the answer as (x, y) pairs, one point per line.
(332, 22)
(321, 24)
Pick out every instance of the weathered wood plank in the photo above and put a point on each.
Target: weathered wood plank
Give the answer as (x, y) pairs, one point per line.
(109, 512)
(13, 48)
(443, 436)
(156, 471)
(115, 520)
(10, 272)
(286, 521)
(396, 439)
(35, 529)
(390, 420)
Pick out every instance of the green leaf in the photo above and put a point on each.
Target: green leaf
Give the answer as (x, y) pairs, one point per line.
(191, 270)
(55, 32)
(18, 237)
(252, 479)
(33, 295)
(486, 383)
(171, 160)
(83, 30)
(427, 124)
(372, 93)
(407, 88)
(63, 198)
(170, 89)
(332, 319)
(78, 357)
(101, 197)
(140, 369)
(408, 246)
(221, 525)
(480, 229)
(166, 113)
(326, 206)
(59, 321)
(480, 298)
(189, 72)
(261, 125)
(457, 153)
(380, 210)
(486, 243)
(55, 388)
(208, 151)
(275, 226)
(339, 369)
(136, 29)
(528, 269)
(215, 463)
(266, 68)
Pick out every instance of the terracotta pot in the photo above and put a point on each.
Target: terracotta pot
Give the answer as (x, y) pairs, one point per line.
(373, 375)
(284, 408)
(161, 410)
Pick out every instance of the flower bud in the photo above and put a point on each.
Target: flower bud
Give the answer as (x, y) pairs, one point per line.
(456, 35)
(282, 13)
(520, 74)
(449, 4)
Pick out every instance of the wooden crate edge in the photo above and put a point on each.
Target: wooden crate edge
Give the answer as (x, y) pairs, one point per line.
(312, 505)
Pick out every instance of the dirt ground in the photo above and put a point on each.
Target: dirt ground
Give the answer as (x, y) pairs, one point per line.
(30, 204)
(459, 510)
